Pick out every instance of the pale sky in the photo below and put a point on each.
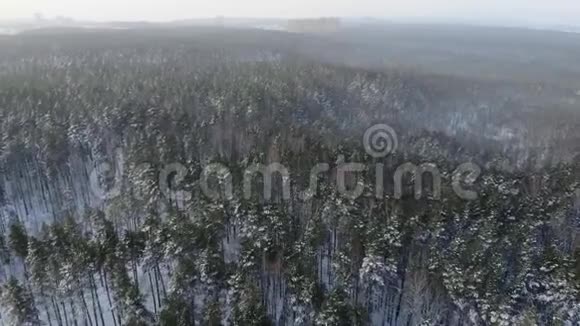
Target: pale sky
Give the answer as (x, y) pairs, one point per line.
(518, 11)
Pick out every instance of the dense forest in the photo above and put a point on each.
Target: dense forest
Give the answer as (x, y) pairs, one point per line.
(123, 105)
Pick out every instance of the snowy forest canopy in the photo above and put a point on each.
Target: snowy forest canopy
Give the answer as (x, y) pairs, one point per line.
(70, 100)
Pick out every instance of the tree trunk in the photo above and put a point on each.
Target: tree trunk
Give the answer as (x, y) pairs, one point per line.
(152, 292)
(64, 313)
(96, 299)
(135, 273)
(74, 313)
(111, 308)
(47, 308)
(157, 286)
(94, 305)
(56, 311)
(162, 281)
(403, 279)
(86, 308)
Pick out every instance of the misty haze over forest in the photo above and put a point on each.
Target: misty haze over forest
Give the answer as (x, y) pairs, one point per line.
(559, 14)
(300, 163)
